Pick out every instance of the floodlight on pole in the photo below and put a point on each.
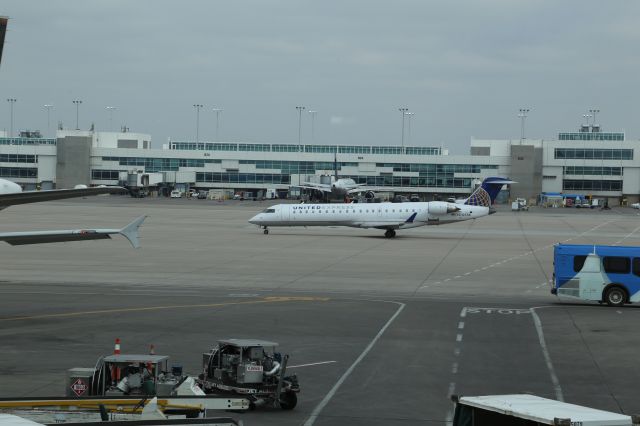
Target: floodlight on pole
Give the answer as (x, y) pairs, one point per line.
(110, 109)
(217, 111)
(523, 116)
(313, 125)
(409, 114)
(11, 102)
(77, 102)
(403, 111)
(300, 109)
(594, 112)
(48, 108)
(197, 107)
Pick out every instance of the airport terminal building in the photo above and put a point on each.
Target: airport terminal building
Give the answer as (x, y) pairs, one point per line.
(587, 162)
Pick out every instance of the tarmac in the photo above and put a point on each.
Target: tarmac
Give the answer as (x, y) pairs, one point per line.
(380, 331)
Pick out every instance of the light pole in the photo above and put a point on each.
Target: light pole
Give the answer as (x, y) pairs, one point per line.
(523, 116)
(110, 109)
(403, 111)
(409, 114)
(11, 102)
(77, 102)
(300, 109)
(48, 108)
(217, 111)
(197, 107)
(313, 125)
(586, 117)
(594, 112)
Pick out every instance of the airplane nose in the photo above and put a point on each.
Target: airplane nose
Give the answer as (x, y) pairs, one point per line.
(255, 220)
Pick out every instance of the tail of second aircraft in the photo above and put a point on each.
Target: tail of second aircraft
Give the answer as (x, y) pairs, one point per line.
(486, 193)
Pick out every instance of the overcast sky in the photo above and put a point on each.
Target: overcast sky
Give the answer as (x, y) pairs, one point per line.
(464, 68)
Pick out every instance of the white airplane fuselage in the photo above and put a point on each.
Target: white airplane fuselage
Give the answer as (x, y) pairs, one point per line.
(8, 187)
(368, 215)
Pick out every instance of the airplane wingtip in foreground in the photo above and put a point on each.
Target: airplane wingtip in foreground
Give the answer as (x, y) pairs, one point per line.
(386, 216)
(130, 232)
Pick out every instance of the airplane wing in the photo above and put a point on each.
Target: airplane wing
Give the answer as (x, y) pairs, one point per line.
(130, 232)
(386, 224)
(316, 186)
(7, 200)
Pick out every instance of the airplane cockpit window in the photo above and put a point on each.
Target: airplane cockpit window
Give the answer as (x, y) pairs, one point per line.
(269, 211)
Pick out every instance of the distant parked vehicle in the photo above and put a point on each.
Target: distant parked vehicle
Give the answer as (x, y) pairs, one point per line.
(176, 194)
(635, 206)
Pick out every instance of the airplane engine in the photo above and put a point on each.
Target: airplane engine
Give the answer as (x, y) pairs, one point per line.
(369, 196)
(441, 207)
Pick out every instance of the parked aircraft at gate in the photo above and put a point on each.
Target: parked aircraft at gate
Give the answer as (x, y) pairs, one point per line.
(11, 193)
(387, 216)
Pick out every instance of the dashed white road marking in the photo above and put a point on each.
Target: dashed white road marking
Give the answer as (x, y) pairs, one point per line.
(461, 325)
(459, 338)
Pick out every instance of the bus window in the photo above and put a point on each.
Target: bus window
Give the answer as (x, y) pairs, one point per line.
(578, 263)
(617, 265)
(636, 266)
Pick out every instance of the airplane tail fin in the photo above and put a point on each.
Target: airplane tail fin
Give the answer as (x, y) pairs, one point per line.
(486, 193)
(130, 232)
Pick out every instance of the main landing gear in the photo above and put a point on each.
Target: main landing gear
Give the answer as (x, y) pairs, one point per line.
(266, 231)
(390, 233)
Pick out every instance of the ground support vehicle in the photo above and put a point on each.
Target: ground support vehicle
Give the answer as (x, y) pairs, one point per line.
(138, 378)
(531, 410)
(249, 368)
(520, 204)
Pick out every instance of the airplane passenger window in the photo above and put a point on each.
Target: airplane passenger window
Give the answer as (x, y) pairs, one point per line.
(269, 211)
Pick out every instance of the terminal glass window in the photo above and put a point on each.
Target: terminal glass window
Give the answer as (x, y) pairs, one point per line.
(593, 153)
(18, 158)
(105, 174)
(18, 172)
(593, 170)
(591, 185)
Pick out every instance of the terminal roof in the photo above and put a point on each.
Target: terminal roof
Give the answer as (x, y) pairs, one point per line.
(130, 358)
(247, 342)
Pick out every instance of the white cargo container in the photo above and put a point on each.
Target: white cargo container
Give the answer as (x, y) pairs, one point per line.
(532, 410)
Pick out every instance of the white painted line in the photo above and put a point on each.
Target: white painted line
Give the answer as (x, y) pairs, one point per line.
(461, 325)
(454, 368)
(316, 411)
(459, 337)
(311, 364)
(447, 279)
(552, 372)
(452, 388)
(467, 273)
(463, 312)
(457, 276)
(476, 270)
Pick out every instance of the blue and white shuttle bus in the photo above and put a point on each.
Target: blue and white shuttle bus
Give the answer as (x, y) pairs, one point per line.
(608, 274)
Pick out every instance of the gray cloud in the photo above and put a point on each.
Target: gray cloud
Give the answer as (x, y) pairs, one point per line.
(463, 67)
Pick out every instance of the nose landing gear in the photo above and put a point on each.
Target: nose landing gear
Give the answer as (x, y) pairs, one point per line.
(390, 233)
(266, 231)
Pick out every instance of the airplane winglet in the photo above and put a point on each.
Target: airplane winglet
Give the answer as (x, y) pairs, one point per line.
(411, 218)
(130, 232)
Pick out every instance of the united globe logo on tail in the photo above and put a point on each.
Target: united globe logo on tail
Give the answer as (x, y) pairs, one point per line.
(486, 193)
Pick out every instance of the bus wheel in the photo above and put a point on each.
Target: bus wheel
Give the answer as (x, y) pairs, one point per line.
(615, 296)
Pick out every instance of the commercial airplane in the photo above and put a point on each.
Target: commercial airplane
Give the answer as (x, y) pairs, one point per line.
(340, 188)
(387, 216)
(11, 194)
